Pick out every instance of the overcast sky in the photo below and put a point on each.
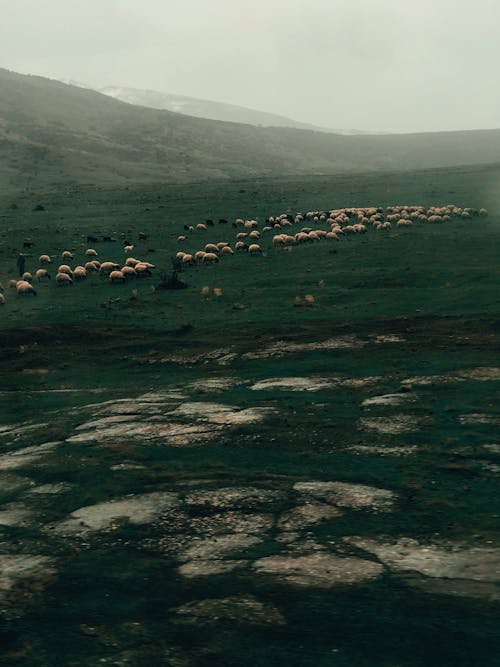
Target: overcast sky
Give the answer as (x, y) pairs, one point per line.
(381, 65)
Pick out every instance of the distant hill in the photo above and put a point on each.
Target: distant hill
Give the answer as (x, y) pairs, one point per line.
(191, 106)
(52, 133)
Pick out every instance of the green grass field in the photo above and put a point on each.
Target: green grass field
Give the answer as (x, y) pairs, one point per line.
(258, 425)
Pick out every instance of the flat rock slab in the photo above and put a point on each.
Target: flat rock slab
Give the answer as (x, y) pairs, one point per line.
(449, 561)
(319, 570)
(215, 548)
(393, 424)
(25, 456)
(135, 509)
(209, 568)
(218, 413)
(281, 348)
(387, 399)
(305, 515)
(295, 384)
(232, 498)
(344, 495)
(215, 385)
(245, 609)
(479, 418)
(231, 522)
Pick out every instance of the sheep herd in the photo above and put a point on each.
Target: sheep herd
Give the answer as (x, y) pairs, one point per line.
(67, 276)
(281, 231)
(328, 225)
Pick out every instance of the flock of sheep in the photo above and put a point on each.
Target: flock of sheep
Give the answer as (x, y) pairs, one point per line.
(328, 225)
(338, 222)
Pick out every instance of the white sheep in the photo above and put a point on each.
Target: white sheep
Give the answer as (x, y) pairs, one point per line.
(226, 250)
(128, 248)
(211, 247)
(107, 267)
(66, 254)
(131, 261)
(42, 274)
(63, 279)
(255, 249)
(24, 288)
(90, 252)
(210, 258)
(27, 277)
(2, 300)
(44, 259)
(64, 268)
(116, 277)
(79, 273)
(128, 272)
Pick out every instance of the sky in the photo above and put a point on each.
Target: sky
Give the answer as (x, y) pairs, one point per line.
(372, 65)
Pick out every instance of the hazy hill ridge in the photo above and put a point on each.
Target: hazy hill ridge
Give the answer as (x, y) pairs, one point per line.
(199, 108)
(53, 133)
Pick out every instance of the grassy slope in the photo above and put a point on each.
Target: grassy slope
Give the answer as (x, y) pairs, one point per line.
(52, 133)
(406, 272)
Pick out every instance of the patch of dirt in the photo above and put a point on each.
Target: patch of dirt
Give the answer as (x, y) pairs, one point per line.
(233, 498)
(15, 514)
(404, 450)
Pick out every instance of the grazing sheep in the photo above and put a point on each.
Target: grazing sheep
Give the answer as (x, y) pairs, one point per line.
(483, 212)
(309, 299)
(188, 260)
(201, 227)
(211, 247)
(239, 245)
(128, 248)
(12, 283)
(254, 234)
(79, 273)
(27, 277)
(128, 272)
(107, 267)
(226, 250)
(42, 274)
(199, 255)
(181, 238)
(179, 255)
(44, 259)
(142, 270)
(241, 235)
(221, 244)
(210, 258)
(91, 267)
(2, 300)
(90, 252)
(205, 290)
(255, 249)
(217, 291)
(132, 261)
(116, 277)
(66, 254)
(64, 268)
(63, 279)
(24, 288)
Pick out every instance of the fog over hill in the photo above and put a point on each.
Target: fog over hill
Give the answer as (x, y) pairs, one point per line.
(52, 133)
(192, 106)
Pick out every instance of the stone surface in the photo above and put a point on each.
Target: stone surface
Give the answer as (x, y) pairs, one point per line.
(353, 496)
(393, 424)
(135, 509)
(305, 515)
(295, 384)
(450, 561)
(318, 570)
(245, 609)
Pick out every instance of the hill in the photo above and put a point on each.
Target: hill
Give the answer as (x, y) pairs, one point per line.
(53, 134)
(192, 106)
